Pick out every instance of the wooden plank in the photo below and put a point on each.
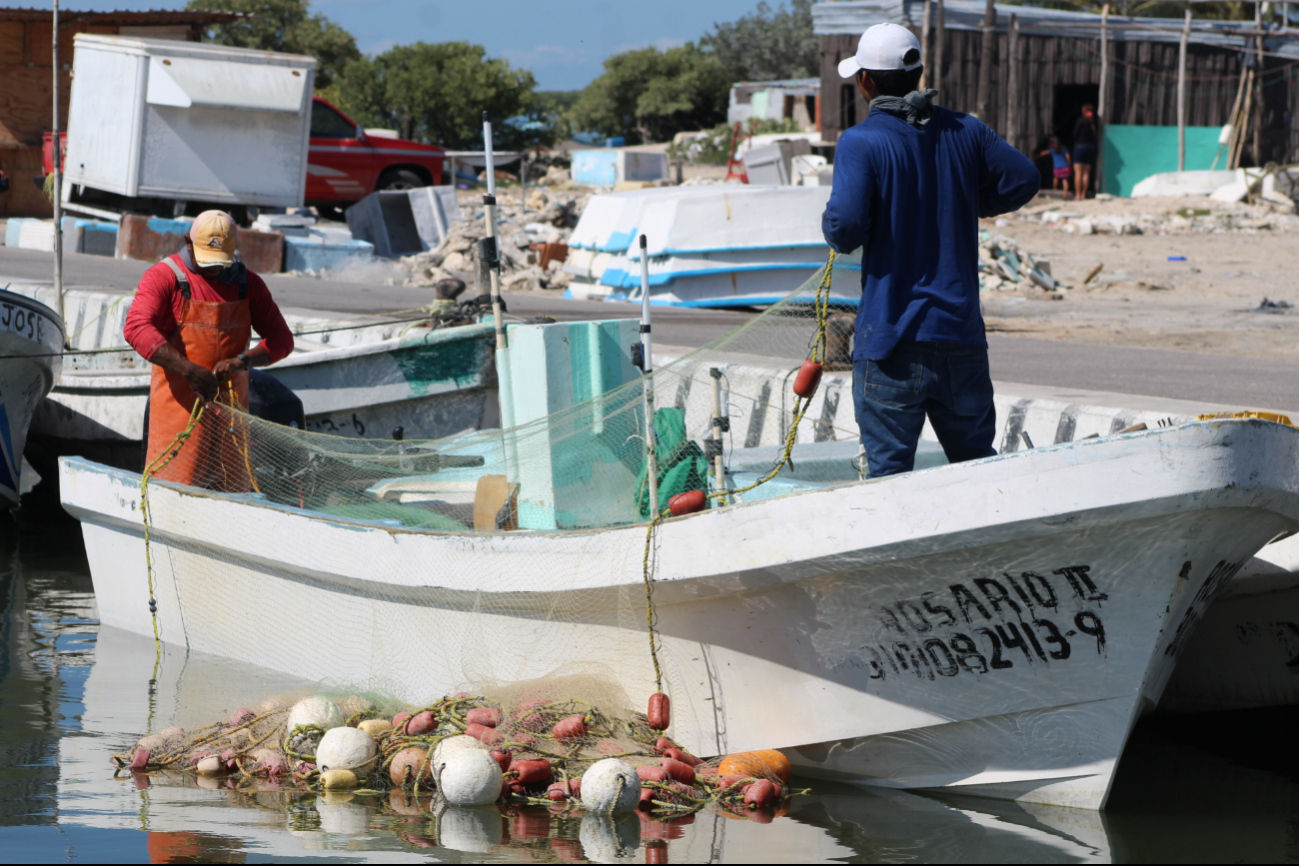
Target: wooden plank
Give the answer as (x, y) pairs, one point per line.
(11, 42)
(38, 39)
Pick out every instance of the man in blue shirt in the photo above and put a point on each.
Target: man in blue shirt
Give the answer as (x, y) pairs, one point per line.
(910, 184)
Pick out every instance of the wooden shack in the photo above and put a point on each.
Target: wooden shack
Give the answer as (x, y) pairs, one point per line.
(27, 73)
(1045, 71)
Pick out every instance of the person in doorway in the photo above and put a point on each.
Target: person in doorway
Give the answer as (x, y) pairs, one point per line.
(910, 184)
(1061, 163)
(192, 317)
(1084, 151)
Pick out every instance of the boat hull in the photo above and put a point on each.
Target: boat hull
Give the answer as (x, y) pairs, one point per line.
(31, 340)
(994, 626)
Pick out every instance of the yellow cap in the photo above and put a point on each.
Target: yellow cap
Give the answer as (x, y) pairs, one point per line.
(215, 236)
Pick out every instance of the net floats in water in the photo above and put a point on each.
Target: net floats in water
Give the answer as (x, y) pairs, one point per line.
(344, 748)
(610, 786)
(469, 777)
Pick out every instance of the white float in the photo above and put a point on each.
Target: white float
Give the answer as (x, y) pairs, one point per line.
(610, 786)
(344, 748)
(468, 777)
(314, 710)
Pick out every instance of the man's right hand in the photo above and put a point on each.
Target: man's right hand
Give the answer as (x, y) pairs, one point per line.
(202, 380)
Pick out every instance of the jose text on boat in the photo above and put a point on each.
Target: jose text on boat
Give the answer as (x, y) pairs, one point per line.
(910, 184)
(192, 317)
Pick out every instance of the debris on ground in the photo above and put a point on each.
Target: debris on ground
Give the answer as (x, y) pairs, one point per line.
(526, 238)
(1166, 215)
(1273, 306)
(1005, 267)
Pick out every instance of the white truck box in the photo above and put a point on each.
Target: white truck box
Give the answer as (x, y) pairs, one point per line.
(188, 121)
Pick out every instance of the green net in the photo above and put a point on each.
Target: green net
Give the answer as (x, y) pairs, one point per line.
(418, 569)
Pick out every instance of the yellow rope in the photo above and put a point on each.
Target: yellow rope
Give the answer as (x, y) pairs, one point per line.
(822, 307)
(159, 463)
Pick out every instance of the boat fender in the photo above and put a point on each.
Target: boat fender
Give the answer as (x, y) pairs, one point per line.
(420, 724)
(763, 762)
(304, 768)
(609, 748)
(139, 760)
(610, 785)
(660, 709)
(678, 770)
(346, 748)
(315, 711)
(687, 503)
(469, 777)
(503, 757)
(809, 376)
(338, 780)
(241, 716)
(228, 760)
(489, 736)
(374, 727)
(558, 792)
(571, 728)
(651, 773)
(210, 766)
(199, 755)
(408, 764)
(523, 738)
(575, 788)
(488, 717)
(532, 772)
(762, 793)
(400, 719)
(662, 744)
(684, 757)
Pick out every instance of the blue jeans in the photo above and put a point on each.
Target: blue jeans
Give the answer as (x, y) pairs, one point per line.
(947, 382)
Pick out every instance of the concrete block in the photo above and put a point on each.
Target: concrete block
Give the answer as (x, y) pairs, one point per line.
(406, 222)
(150, 239)
(89, 237)
(30, 234)
(315, 252)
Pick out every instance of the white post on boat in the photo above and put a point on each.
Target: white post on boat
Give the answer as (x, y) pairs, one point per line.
(58, 174)
(1181, 93)
(503, 375)
(647, 365)
(719, 427)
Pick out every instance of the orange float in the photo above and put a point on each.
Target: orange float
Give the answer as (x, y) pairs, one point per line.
(764, 762)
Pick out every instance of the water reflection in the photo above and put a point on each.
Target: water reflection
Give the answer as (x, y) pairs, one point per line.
(72, 693)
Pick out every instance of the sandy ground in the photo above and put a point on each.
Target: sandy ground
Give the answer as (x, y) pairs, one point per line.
(1207, 303)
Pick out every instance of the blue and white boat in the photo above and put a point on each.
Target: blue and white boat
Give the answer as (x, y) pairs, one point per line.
(31, 343)
(709, 246)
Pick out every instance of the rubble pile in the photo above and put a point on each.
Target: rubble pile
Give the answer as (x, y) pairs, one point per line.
(532, 244)
(1162, 216)
(1005, 267)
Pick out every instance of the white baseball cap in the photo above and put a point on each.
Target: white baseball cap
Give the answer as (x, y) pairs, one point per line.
(883, 47)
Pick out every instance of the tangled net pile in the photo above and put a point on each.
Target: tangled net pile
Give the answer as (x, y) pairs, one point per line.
(538, 752)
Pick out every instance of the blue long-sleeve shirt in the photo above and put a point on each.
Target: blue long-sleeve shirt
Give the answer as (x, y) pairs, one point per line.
(912, 199)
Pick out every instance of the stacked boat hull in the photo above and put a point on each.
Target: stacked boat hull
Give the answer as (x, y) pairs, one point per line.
(994, 626)
(31, 343)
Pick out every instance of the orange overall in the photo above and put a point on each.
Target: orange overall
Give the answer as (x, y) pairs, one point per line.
(214, 455)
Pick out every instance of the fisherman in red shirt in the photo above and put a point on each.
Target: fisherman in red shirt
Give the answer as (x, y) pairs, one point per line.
(192, 318)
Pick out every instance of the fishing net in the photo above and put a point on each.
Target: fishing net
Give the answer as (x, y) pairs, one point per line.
(417, 569)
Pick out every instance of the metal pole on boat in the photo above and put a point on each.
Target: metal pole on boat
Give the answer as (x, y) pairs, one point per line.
(490, 251)
(58, 174)
(647, 364)
(720, 426)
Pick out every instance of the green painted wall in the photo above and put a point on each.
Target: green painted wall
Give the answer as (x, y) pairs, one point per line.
(1133, 153)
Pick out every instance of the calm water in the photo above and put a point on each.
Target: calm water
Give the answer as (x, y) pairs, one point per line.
(1212, 789)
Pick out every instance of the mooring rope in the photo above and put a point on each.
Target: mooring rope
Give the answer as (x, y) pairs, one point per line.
(801, 405)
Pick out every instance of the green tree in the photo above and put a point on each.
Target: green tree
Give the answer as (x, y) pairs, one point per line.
(284, 25)
(650, 95)
(766, 44)
(437, 93)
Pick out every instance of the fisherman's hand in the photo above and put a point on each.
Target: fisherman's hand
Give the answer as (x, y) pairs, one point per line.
(226, 367)
(202, 380)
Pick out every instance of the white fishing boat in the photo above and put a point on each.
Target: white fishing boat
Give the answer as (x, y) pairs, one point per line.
(355, 378)
(31, 343)
(994, 626)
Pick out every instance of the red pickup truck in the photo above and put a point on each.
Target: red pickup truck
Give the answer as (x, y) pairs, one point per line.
(346, 164)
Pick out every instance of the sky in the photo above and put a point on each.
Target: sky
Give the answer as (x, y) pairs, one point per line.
(563, 42)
